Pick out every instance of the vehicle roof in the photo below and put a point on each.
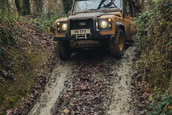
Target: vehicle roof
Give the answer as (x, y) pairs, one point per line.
(132, 1)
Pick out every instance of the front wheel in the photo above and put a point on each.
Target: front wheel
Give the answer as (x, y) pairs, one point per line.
(63, 50)
(117, 44)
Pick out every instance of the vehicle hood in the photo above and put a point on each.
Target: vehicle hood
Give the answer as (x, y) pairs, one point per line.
(93, 15)
(86, 15)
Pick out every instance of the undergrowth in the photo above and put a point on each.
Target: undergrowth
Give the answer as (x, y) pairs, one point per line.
(6, 42)
(46, 22)
(7, 19)
(6, 63)
(158, 104)
(15, 80)
(154, 39)
(156, 45)
(20, 61)
(67, 4)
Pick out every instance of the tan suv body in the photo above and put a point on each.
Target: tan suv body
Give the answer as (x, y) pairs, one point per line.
(96, 23)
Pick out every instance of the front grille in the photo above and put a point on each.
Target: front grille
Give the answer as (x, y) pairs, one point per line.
(81, 24)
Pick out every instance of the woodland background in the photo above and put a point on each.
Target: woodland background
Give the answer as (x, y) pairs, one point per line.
(27, 52)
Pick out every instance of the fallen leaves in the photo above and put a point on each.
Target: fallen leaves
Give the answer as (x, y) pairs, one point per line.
(28, 35)
(141, 92)
(84, 92)
(31, 98)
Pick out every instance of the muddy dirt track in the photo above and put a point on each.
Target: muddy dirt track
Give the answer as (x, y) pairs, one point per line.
(90, 83)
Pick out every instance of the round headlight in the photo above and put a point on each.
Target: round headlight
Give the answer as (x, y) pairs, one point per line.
(64, 26)
(58, 23)
(103, 24)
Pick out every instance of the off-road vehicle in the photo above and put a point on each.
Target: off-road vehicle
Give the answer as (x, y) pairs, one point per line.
(96, 23)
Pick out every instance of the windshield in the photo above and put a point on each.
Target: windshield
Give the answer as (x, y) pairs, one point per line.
(87, 5)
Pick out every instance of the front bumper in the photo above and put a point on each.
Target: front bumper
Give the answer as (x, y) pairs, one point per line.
(101, 40)
(98, 38)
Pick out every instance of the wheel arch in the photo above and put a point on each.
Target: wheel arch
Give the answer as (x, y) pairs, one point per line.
(119, 25)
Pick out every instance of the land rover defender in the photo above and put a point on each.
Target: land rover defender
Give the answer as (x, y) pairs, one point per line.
(96, 23)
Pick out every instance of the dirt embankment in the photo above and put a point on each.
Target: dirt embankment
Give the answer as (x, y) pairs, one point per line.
(91, 82)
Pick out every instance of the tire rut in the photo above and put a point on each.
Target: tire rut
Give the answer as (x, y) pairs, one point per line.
(53, 89)
(85, 91)
(121, 96)
(90, 83)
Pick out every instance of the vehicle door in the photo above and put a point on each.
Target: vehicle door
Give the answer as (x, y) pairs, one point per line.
(132, 15)
(126, 18)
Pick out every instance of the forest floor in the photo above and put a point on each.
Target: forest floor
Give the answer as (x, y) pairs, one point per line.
(90, 83)
(26, 62)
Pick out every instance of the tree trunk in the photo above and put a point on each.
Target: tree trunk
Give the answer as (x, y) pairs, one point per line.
(18, 6)
(12, 9)
(26, 7)
(39, 6)
(50, 6)
(23, 7)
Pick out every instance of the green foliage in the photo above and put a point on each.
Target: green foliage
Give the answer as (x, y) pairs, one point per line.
(20, 59)
(6, 42)
(4, 6)
(7, 19)
(6, 63)
(26, 7)
(159, 105)
(155, 61)
(67, 4)
(46, 22)
(15, 73)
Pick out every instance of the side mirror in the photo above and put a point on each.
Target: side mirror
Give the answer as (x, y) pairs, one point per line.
(127, 10)
(69, 12)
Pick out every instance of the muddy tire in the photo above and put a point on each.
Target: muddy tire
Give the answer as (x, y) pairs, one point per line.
(117, 44)
(63, 50)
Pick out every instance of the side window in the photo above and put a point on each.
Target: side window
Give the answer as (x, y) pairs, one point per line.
(131, 10)
(125, 6)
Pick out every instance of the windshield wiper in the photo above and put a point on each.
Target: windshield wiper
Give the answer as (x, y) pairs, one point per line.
(109, 5)
(105, 9)
(88, 10)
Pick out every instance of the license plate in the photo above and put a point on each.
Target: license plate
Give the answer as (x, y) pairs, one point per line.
(80, 31)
